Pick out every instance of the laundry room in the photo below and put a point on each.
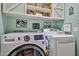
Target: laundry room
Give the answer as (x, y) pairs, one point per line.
(39, 29)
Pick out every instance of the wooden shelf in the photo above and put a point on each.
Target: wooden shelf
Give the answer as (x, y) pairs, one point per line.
(40, 9)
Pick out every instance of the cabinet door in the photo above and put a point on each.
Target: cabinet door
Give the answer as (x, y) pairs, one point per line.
(58, 10)
(66, 48)
(14, 7)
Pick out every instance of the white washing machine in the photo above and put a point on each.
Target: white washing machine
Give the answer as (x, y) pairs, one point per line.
(61, 44)
(23, 44)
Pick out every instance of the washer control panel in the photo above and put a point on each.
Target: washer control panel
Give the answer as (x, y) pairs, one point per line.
(8, 39)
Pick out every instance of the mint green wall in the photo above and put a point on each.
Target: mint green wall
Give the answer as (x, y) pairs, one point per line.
(74, 20)
(4, 18)
(10, 23)
(78, 31)
(1, 24)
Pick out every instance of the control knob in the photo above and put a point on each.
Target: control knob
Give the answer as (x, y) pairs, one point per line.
(26, 38)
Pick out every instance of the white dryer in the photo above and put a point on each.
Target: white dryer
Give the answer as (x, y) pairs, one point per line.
(23, 44)
(61, 44)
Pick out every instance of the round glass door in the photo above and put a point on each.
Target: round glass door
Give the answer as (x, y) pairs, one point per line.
(28, 50)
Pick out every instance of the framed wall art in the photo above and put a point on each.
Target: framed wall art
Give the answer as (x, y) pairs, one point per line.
(67, 27)
(36, 25)
(47, 25)
(21, 23)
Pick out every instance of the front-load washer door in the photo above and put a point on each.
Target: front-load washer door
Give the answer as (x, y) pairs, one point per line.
(27, 50)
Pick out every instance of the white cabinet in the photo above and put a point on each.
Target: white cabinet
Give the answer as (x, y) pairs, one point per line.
(58, 10)
(8, 6)
(14, 7)
(46, 10)
(66, 48)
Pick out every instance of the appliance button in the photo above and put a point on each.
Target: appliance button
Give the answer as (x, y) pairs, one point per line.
(26, 38)
(42, 42)
(18, 38)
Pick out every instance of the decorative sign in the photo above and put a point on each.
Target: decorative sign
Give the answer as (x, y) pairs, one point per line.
(71, 10)
(36, 26)
(67, 27)
(47, 25)
(21, 23)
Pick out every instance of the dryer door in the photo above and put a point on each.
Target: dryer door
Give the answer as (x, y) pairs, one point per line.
(28, 50)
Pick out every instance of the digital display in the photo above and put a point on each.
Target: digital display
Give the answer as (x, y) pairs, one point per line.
(38, 37)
